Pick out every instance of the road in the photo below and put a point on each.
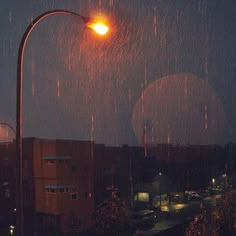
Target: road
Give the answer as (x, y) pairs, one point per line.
(175, 215)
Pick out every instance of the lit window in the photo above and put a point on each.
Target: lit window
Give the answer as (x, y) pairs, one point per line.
(56, 188)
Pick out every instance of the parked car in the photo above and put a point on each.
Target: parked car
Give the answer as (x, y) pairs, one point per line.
(177, 197)
(143, 217)
(193, 196)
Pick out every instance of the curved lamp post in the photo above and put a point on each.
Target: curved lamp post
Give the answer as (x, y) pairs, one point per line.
(101, 29)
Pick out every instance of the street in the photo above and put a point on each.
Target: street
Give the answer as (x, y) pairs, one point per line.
(175, 217)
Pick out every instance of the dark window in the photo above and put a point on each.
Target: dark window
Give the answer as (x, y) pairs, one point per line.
(61, 190)
(49, 162)
(74, 196)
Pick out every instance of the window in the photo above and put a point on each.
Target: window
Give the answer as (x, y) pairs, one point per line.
(60, 159)
(74, 196)
(61, 190)
(73, 189)
(63, 161)
(48, 162)
(50, 188)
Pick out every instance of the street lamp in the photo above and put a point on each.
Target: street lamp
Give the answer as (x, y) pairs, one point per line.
(213, 182)
(101, 29)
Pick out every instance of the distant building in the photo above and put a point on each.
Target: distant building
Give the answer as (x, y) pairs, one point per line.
(7, 182)
(65, 180)
(59, 183)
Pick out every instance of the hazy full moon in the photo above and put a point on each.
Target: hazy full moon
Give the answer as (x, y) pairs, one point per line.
(178, 109)
(6, 133)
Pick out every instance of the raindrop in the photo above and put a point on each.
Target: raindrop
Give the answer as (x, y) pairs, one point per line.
(145, 75)
(58, 88)
(142, 96)
(69, 62)
(111, 2)
(206, 66)
(233, 69)
(10, 16)
(130, 96)
(155, 22)
(10, 43)
(92, 128)
(206, 117)
(32, 88)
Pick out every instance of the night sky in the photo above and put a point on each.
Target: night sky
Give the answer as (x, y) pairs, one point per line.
(166, 71)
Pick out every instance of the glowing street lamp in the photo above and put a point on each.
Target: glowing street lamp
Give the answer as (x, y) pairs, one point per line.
(213, 181)
(100, 28)
(11, 229)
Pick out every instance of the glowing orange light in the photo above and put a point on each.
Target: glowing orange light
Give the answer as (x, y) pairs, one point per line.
(99, 27)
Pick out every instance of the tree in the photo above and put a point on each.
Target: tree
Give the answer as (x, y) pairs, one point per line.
(213, 221)
(112, 216)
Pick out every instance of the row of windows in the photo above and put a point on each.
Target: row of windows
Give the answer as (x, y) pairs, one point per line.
(74, 221)
(73, 168)
(48, 162)
(58, 190)
(78, 221)
(53, 188)
(74, 195)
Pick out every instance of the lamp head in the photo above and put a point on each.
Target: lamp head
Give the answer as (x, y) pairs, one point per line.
(99, 27)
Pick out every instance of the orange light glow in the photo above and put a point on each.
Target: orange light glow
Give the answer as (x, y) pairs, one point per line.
(99, 27)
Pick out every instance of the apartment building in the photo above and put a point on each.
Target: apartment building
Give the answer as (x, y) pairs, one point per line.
(59, 183)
